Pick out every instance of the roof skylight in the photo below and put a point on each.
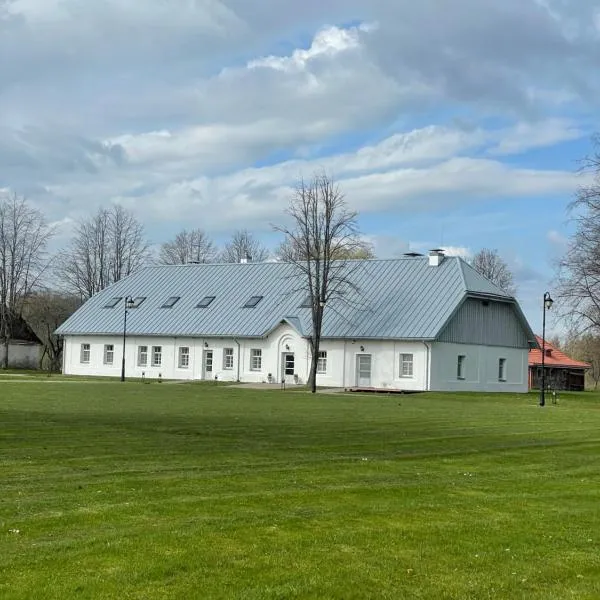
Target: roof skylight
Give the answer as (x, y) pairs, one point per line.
(112, 302)
(205, 302)
(171, 302)
(253, 301)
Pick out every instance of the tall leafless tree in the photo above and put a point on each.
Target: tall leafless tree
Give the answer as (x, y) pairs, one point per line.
(579, 270)
(287, 252)
(192, 246)
(24, 235)
(322, 229)
(492, 266)
(242, 245)
(105, 248)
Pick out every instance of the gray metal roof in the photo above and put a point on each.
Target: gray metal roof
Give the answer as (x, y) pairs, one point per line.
(402, 298)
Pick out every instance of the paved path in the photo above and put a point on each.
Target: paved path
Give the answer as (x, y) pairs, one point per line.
(289, 387)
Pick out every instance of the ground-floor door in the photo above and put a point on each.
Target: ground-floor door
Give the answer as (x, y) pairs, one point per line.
(363, 370)
(288, 367)
(207, 365)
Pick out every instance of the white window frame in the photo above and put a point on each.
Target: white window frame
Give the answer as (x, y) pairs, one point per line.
(86, 349)
(108, 352)
(227, 359)
(460, 366)
(256, 359)
(183, 360)
(502, 369)
(142, 353)
(322, 363)
(156, 354)
(407, 365)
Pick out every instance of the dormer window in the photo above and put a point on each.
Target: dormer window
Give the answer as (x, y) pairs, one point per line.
(171, 302)
(548, 352)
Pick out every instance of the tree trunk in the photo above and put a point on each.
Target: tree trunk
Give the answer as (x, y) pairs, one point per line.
(5, 359)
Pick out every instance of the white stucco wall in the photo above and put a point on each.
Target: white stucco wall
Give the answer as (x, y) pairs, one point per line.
(481, 368)
(341, 359)
(481, 362)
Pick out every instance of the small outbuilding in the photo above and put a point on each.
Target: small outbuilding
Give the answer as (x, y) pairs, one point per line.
(562, 372)
(24, 346)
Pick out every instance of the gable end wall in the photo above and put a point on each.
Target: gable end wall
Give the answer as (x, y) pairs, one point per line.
(496, 324)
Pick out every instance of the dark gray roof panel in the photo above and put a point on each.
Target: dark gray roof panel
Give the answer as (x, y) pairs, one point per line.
(403, 298)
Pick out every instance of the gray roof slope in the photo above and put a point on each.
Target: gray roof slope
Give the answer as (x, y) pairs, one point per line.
(401, 298)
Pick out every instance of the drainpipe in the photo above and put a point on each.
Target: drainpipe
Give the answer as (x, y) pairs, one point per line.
(239, 356)
(64, 354)
(427, 367)
(344, 366)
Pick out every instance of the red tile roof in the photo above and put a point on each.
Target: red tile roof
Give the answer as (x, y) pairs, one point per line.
(555, 359)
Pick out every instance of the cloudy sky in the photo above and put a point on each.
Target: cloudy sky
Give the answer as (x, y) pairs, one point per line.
(456, 124)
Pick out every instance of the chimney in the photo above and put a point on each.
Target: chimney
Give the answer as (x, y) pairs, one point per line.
(246, 259)
(436, 257)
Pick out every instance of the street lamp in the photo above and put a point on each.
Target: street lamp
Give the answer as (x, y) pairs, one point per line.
(129, 302)
(548, 302)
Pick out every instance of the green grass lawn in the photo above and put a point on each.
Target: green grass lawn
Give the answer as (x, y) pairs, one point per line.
(187, 491)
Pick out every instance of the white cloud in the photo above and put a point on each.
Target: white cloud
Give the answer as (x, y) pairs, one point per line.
(525, 136)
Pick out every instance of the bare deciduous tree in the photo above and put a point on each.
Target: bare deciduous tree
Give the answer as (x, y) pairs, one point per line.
(586, 348)
(322, 229)
(579, 270)
(241, 245)
(286, 252)
(106, 247)
(188, 247)
(44, 312)
(24, 235)
(491, 265)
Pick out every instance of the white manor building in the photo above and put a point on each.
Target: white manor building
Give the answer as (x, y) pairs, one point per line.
(415, 323)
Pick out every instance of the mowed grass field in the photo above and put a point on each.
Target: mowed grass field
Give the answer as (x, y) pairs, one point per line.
(113, 490)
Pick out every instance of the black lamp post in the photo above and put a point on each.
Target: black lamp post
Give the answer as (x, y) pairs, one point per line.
(548, 302)
(129, 302)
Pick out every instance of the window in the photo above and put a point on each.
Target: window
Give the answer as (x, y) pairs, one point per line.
(255, 360)
(184, 357)
(112, 302)
(502, 369)
(228, 358)
(109, 354)
(205, 302)
(84, 356)
(460, 367)
(171, 302)
(137, 301)
(307, 302)
(156, 356)
(253, 301)
(142, 359)
(406, 365)
(322, 363)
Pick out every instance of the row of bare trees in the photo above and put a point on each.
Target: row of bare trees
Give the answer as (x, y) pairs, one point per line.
(111, 244)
